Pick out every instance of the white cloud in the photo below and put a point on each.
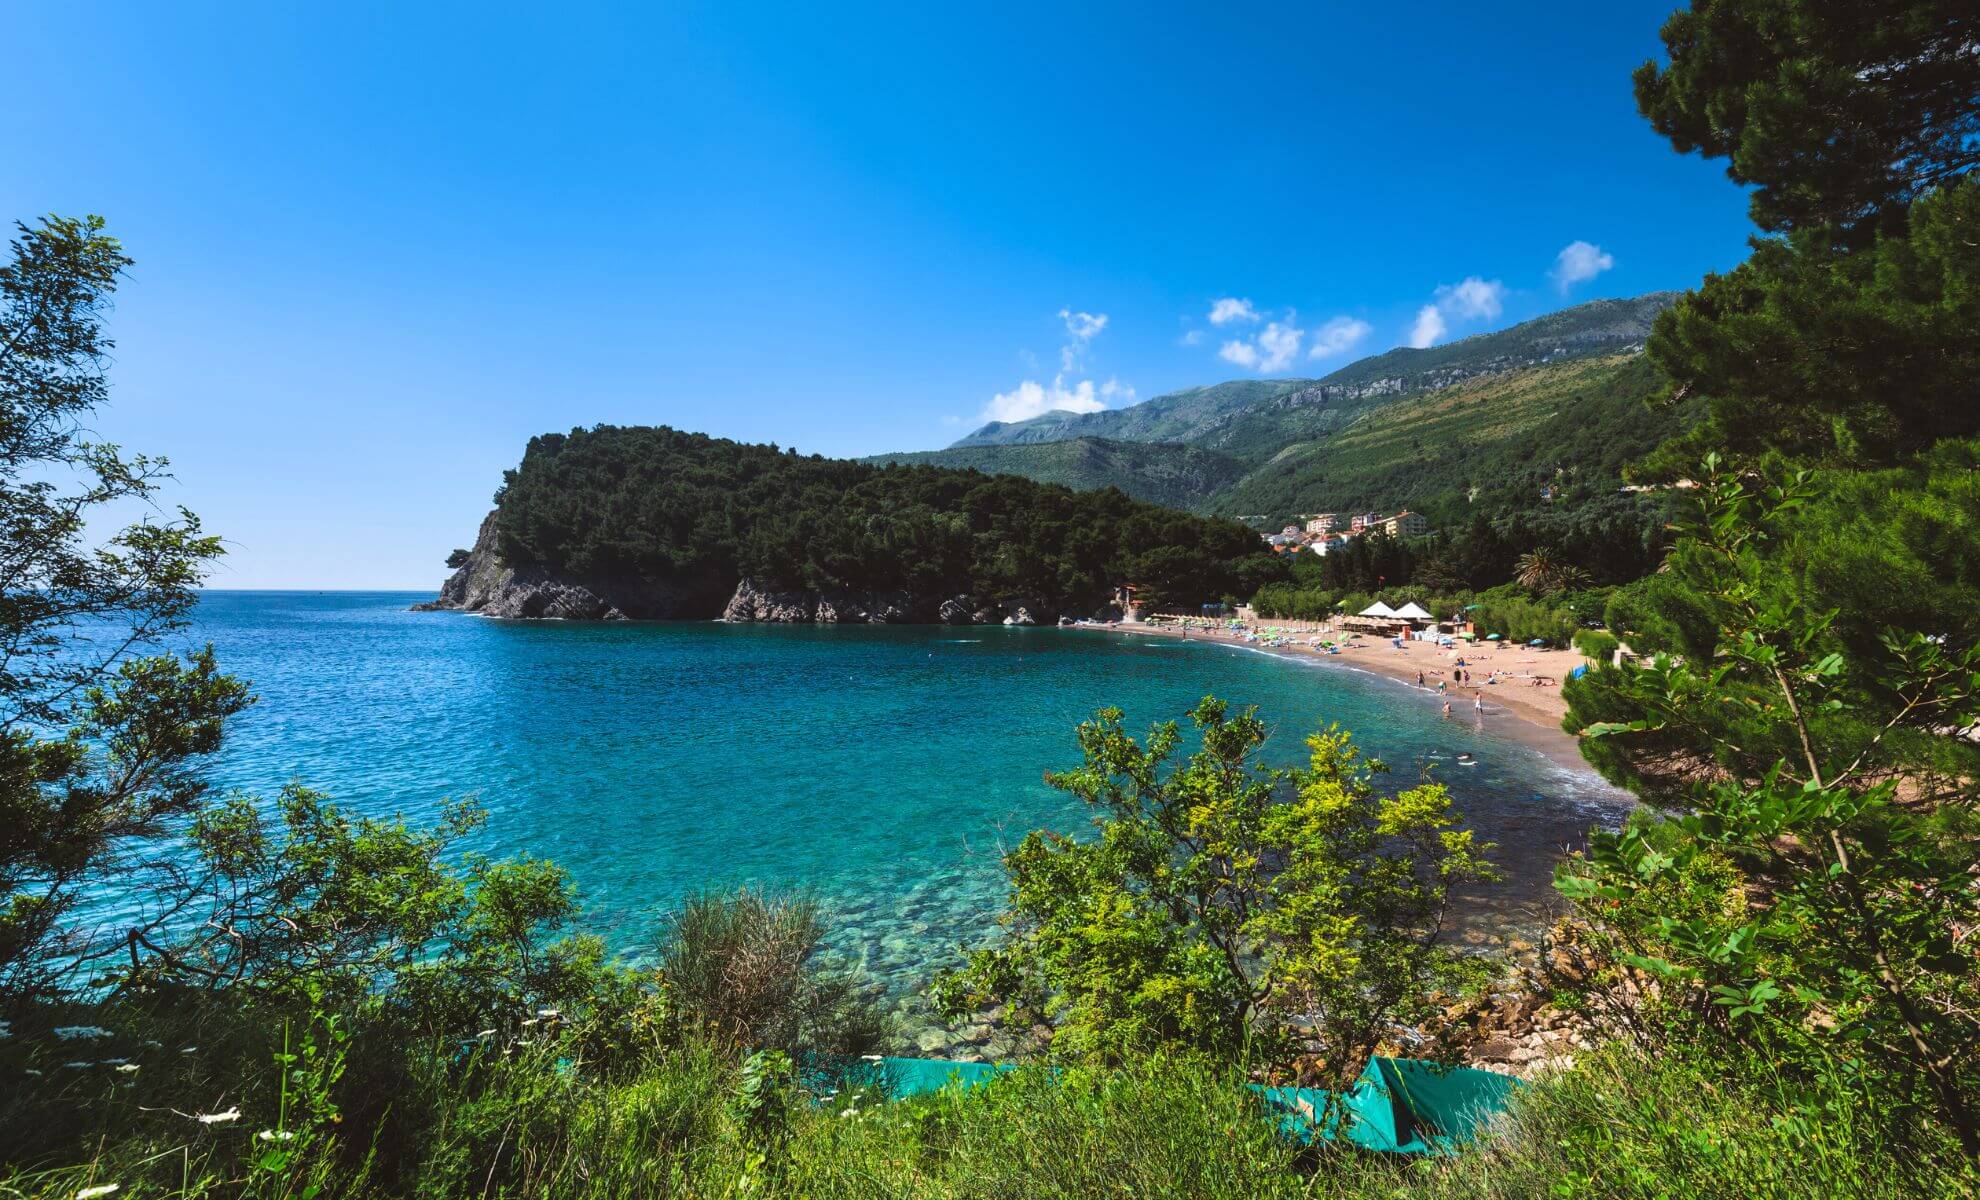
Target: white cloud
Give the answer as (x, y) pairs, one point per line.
(1428, 328)
(1280, 344)
(1471, 299)
(1244, 354)
(1274, 349)
(1474, 299)
(1230, 308)
(1081, 328)
(1579, 262)
(1337, 336)
(1193, 338)
(1031, 398)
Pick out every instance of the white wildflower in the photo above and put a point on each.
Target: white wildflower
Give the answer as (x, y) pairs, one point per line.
(153, 1044)
(190, 1050)
(127, 1068)
(101, 1189)
(78, 1066)
(219, 1118)
(486, 1033)
(276, 1135)
(69, 1033)
(31, 1071)
(527, 1024)
(548, 1014)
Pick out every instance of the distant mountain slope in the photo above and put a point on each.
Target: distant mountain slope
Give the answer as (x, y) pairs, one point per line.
(1487, 444)
(1255, 419)
(1175, 417)
(1158, 472)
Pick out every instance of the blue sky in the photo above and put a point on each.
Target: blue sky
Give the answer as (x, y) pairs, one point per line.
(378, 248)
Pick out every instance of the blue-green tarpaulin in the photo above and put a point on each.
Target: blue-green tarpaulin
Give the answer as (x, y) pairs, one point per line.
(1398, 1106)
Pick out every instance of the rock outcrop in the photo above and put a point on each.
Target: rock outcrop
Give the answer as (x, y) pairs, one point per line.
(485, 584)
(837, 606)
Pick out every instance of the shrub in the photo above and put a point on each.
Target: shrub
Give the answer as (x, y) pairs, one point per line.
(745, 969)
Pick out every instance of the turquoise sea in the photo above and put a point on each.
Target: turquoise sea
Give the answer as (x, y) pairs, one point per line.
(879, 768)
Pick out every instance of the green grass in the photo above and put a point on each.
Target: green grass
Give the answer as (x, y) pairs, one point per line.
(553, 1118)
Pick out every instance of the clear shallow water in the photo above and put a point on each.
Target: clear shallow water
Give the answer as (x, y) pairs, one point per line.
(880, 768)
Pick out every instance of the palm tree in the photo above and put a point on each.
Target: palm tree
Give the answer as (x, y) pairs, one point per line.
(1542, 570)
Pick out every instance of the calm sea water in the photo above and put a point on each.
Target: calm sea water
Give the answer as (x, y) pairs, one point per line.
(881, 769)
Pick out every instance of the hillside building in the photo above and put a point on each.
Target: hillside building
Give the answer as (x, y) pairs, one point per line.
(1407, 524)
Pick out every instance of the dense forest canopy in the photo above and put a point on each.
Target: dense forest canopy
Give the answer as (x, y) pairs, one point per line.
(654, 501)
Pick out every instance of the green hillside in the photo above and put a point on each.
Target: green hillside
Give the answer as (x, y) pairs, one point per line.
(1255, 418)
(1157, 472)
(1191, 415)
(1490, 444)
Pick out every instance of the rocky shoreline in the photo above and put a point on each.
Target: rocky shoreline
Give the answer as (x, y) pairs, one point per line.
(486, 585)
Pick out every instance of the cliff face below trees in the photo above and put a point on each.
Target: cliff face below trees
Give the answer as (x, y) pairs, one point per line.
(486, 585)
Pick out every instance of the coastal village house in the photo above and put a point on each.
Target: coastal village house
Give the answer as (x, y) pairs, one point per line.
(1323, 533)
(1407, 524)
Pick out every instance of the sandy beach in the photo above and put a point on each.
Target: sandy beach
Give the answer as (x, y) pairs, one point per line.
(1517, 688)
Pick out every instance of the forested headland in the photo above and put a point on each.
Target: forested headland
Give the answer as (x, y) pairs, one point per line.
(617, 509)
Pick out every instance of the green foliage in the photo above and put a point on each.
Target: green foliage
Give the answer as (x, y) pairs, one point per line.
(1863, 565)
(745, 971)
(457, 559)
(1166, 473)
(657, 503)
(1827, 773)
(1832, 113)
(1485, 447)
(99, 743)
(1543, 571)
(1222, 899)
(1598, 645)
(1863, 356)
(1518, 617)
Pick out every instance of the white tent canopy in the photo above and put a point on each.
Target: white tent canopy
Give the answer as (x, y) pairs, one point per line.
(1414, 612)
(1377, 609)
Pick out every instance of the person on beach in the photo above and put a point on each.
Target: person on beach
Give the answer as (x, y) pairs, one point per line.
(1447, 708)
(1478, 704)
(1419, 679)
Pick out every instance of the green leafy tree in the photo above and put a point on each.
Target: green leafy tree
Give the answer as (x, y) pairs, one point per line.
(1865, 566)
(99, 740)
(1828, 791)
(1861, 355)
(1832, 113)
(1543, 570)
(1221, 901)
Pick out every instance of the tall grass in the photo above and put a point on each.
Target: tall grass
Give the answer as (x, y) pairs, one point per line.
(673, 1089)
(535, 1122)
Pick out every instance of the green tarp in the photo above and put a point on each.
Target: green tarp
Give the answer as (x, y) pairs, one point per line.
(1398, 1106)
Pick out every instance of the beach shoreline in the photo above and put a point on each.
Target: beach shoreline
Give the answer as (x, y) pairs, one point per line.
(1514, 707)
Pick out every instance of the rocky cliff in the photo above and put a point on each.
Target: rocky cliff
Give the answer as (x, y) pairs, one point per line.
(487, 585)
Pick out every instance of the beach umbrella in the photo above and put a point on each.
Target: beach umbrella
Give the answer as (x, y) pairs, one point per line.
(1491, 637)
(1537, 642)
(1467, 635)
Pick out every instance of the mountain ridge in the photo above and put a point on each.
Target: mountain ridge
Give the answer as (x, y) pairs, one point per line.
(1245, 416)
